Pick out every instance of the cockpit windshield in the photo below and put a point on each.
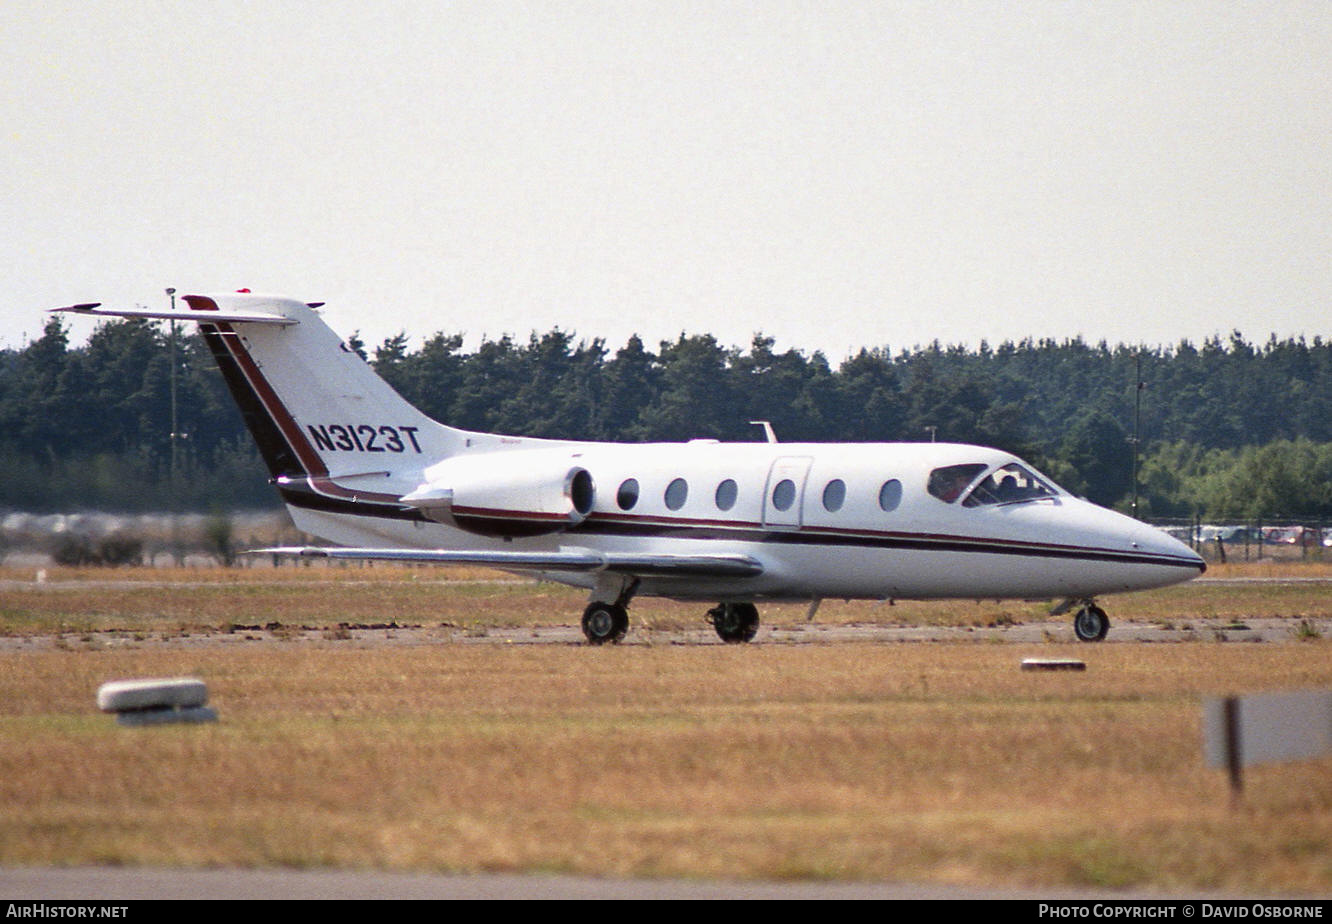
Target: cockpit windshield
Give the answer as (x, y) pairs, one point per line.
(949, 482)
(1008, 485)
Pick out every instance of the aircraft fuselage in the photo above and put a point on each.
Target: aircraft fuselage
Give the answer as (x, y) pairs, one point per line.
(828, 535)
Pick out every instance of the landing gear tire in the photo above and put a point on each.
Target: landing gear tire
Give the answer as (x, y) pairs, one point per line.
(735, 623)
(605, 622)
(1090, 624)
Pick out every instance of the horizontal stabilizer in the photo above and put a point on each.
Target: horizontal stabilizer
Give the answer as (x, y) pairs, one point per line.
(581, 560)
(203, 317)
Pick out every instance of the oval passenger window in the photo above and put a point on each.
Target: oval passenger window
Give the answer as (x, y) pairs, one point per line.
(677, 492)
(890, 495)
(834, 495)
(627, 496)
(726, 494)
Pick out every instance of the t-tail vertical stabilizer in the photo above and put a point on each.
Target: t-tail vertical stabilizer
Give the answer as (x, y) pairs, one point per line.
(334, 435)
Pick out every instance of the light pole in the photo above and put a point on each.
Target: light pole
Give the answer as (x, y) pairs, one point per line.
(171, 292)
(1137, 423)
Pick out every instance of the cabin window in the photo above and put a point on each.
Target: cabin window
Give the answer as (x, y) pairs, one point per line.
(627, 496)
(834, 495)
(949, 482)
(726, 494)
(1010, 484)
(783, 496)
(890, 495)
(677, 492)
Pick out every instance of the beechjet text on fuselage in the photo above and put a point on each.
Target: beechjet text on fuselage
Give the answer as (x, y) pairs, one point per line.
(730, 523)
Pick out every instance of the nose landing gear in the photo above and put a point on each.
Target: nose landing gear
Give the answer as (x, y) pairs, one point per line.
(1090, 624)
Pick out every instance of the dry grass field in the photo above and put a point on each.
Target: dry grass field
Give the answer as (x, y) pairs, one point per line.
(929, 762)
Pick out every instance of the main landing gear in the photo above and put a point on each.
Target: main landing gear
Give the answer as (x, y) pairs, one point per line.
(735, 622)
(604, 622)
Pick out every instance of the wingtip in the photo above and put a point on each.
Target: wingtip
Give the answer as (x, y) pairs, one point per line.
(301, 551)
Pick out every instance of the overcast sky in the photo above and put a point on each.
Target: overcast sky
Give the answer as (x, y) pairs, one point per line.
(835, 175)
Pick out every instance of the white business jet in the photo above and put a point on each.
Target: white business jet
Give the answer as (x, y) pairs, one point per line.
(729, 523)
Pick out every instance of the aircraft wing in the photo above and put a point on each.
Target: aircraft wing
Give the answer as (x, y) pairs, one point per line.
(581, 560)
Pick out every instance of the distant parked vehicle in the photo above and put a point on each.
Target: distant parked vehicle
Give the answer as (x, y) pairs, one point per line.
(1223, 533)
(1283, 535)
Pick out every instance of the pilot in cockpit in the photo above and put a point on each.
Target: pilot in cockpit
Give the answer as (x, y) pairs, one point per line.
(1008, 490)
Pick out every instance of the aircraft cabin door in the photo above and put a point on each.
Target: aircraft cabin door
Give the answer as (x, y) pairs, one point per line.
(784, 494)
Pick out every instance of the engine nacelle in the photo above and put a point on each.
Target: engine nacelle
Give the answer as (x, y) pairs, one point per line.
(517, 493)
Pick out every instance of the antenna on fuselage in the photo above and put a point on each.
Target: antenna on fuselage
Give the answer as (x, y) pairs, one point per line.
(767, 429)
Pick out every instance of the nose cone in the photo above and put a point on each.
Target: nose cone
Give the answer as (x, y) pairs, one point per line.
(1154, 542)
(1157, 559)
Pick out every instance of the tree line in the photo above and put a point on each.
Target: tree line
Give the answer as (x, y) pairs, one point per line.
(1227, 428)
